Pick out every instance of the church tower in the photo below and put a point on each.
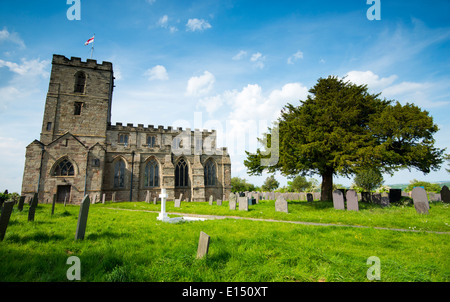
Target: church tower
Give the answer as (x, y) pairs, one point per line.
(78, 100)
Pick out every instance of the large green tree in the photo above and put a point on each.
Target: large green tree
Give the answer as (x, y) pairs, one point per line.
(341, 128)
(270, 184)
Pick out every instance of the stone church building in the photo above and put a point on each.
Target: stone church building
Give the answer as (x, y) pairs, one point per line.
(80, 152)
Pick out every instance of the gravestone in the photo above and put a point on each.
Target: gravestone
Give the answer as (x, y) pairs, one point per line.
(309, 197)
(7, 208)
(445, 194)
(114, 197)
(384, 202)
(352, 200)
(343, 193)
(33, 206)
(243, 203)
(338, 200)
(281, 205)
(163, 215)
(82, 218)
(232, 201)
(177, 203)
(395, 195)
(210, 200)
(53, 204)
(21, 202)
(256, 198)
(94, 199)
(203, 245)
(419, 196)
(365, 196)
(376, 198)
(154, 200)
(147, 197)
(434, 196)
(219, 202)
(104, 198)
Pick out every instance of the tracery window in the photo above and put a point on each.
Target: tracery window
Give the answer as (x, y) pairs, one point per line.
(181, 174)
(64, 168)
(151, 175)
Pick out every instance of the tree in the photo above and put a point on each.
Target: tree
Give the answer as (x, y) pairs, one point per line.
(240, 185)
(299, 184)
(270, 184)
(429, 187)
(340, 128)
(447, 158)
(368, 179)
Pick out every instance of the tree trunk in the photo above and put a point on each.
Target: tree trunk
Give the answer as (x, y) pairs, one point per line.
(327, 186)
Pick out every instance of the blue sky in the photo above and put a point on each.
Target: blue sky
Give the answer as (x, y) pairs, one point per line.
(227, 65)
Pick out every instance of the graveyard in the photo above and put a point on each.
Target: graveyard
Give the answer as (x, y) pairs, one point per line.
(257, 242)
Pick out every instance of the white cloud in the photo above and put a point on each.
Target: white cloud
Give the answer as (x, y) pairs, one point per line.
(295, 57)
(240, 55)
(6, 36)
(150, 1)
(373, 81)
(201, 85)
(163, 21)
(28, 68)
(258, 60)
(158, 72)
(197, 24)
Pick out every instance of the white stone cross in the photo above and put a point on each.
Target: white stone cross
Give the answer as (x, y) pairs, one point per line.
(163, 215)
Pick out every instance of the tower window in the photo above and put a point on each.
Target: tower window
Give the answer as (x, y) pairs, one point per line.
(151, 141)
(123, 139)
(210, 173)
(80, 82)
(49, 126)
(77, 108)
(119, 174)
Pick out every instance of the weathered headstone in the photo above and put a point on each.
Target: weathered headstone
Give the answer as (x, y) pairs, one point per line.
(281, 205)
(376, 198)
(434, 196)
(104, 198)
(210, 200)
(445, 194)
(33, 206)
(203, 245)
(7, 208)
(114, 197)
(82, 218)
(53, 204)
(352, 201)
(177, 203)
(243, 203)
(343, 193)
(365, 196)
(232, 201)
(309, 197)
(147, 197)
(154, 200)
(419, 196)
(219, 202)
(338, 200)
(21, 202)
(384, 202)
(395, 195)
(94, 199)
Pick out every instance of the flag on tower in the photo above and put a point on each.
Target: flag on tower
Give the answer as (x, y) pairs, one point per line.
(91, 40)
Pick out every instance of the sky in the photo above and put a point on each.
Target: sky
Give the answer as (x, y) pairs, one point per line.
(228, 65)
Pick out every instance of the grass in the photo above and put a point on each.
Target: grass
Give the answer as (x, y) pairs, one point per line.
(133, 246)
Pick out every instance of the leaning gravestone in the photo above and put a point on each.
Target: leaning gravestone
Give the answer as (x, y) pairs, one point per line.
(232, 201)
(384, 201)
(177, 203)
(395, 195)
(21, 202)
(281, 205)
(82, 218)
(376, 198)
(203, 245)
(309, 197)
(243, 203)
(33, 206)
(352, 201)
(7, 208)
(338, 200)
(445, 194)
(419, 196)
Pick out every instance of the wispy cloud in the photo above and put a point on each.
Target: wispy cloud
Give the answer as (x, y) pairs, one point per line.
(201, 85)
(295, 57)
(7, 37)
(197, 25)
(158, 72)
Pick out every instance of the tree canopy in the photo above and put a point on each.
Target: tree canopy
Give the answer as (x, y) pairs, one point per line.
(341, 128)
(270, 184)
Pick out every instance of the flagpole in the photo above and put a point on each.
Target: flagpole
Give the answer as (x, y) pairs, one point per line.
(92, 49)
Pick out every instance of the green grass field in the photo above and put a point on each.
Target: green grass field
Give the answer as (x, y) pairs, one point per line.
(124, 245)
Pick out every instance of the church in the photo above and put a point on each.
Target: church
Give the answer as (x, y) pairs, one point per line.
(81, 153)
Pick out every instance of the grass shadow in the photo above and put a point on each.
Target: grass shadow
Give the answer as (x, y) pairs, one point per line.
(38, 237)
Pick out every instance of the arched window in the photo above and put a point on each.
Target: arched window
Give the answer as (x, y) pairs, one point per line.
(64, 168)
(119, 174)
(181, 174)
(151, 177)
(80, 82)
(210, 173)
